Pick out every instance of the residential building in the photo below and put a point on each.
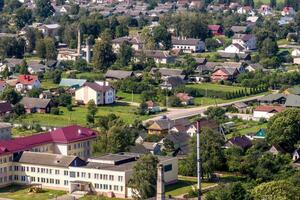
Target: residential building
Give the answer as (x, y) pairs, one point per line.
(167, 72)
(153, 106)
(215, 29)
(50, 30)
(5, 108)
(159, 57)
(248, 41)
(276, 149)
(265, 10)
(164, 125)
(118, 74)
(224, 73)
(188, 45)
(288, 11)
(35, 67)
(240, 106)
(135, 43)
(11, 64)
(245, 10)
(235, 48)
(68, 54)
(101, 92)
(5, 131)
(38, 105)
(180, 140)
(266, 112)
(27, 82)
(241, 141)
(240, 29)
(172, 82)
(185, 98)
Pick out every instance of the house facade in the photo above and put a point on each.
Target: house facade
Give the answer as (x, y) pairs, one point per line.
(27, 82)
(225, 74)
(266, 111)
(188, 45)
(101, 92)
(248, 41)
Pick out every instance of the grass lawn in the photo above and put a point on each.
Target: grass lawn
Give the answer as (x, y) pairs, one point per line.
(19, 132)
(48, 84)
(128, 97)
(97, 76)
(21, 193)
(215, 87)
(184, 185)
(78, 115)
(245, 127)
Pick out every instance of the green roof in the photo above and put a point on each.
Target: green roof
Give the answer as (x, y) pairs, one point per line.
(261, 133)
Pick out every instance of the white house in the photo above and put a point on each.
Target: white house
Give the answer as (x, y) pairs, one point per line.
(246, 40)
(27, 82)
(266, 111)
(235, 48)
(101, 92)
(68, 54)
(188, 45)
(288, 11)
(245, 10)
(296, 53)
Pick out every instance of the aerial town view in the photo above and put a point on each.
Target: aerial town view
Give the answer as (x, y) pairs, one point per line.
(150, 99)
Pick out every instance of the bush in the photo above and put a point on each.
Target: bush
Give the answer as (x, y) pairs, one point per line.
(54, 111)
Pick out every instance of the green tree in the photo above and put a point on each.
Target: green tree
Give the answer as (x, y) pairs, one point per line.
(92, 110)
(103, 54)
(273, 3)
(284, 129)
(23, 68)
(234, 191)
(41, 48)
(162, 36)
(148, 39)
(174, 101)
(281, 189)
(10, 95)
(34, 92)
(19, 109)
(1, 5)
(44, 8)
(216, 113)
(50, 48)
(125, 54)
(23, 17)
(31, 39)
(269, 48)
(64, 99)
(143, 180)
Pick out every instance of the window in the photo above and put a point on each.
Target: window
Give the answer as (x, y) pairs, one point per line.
(69, 147)
(66, 173)
(111, 177)
(72, 174)
(51, 180)
(96, 185)
(56, 171)
(16, 168)
(168, 168)
(89, 175)
(43, 180)
(23, 178)
(121, 188)
(66, 182)
(116, 188)
(110, 188)
(83, 174)
(120, 178)
(32, 179)
(57, 181)
(32, 169)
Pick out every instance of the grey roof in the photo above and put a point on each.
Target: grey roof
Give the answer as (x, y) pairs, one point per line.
(154, 54)
(48, 159)
(243, 56)
(167, 123)
(167, 71)
(37, 67)
(272, 97)
(240, 105)
(228, 70)
(185, 41)
(178, 138)
(14, 61)
(239, 47)
(98, 88)
(244, 37)
(139, 148)
(239, 29)
(29, 102)
(292, 100)
(200, 61)
(118, 74)
(174, 81)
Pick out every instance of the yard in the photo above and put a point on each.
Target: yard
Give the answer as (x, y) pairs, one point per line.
(215, 87)
(78, 115)
(17, 192)
(184, 185)
(128, 97)
(245, 127)
(94, 197)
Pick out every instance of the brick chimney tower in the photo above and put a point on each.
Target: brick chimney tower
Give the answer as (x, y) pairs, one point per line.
(160, 190)
(78, 41)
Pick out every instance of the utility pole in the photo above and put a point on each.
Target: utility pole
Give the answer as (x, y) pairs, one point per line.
(198, 161)
(132, 96)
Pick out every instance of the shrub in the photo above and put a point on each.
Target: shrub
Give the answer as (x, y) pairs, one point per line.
(54, 111)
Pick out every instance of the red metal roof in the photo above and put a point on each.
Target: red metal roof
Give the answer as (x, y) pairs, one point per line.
(27, 79)
(214, 27)
(269, 108)
(63, 135)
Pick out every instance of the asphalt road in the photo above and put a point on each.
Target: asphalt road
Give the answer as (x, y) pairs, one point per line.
(177, 113)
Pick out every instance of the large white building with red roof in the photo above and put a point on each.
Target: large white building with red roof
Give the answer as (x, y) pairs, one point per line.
(27, 82)
(61, 159)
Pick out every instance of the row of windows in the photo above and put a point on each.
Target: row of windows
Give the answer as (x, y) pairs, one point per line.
(33, 169)
(88, 175)
(108, 187)
(79, 145)
(5, 159)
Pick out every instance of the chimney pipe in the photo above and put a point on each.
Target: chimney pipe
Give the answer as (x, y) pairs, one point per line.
(160, 190)
(88, 51)
(78, 42)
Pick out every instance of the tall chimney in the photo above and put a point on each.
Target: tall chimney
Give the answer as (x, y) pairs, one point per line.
(160, 190)
(88, 51)
(79, 42)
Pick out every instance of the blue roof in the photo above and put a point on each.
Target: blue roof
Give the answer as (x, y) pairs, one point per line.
(261, 133)
(70, 82)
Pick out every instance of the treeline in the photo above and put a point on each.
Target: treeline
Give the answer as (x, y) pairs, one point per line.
(273, 80)
(198, 92)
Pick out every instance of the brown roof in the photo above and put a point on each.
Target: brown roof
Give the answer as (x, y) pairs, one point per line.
(269, 108)
(29, 102)
(118, 74)
(97, 87)
(184, 97)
